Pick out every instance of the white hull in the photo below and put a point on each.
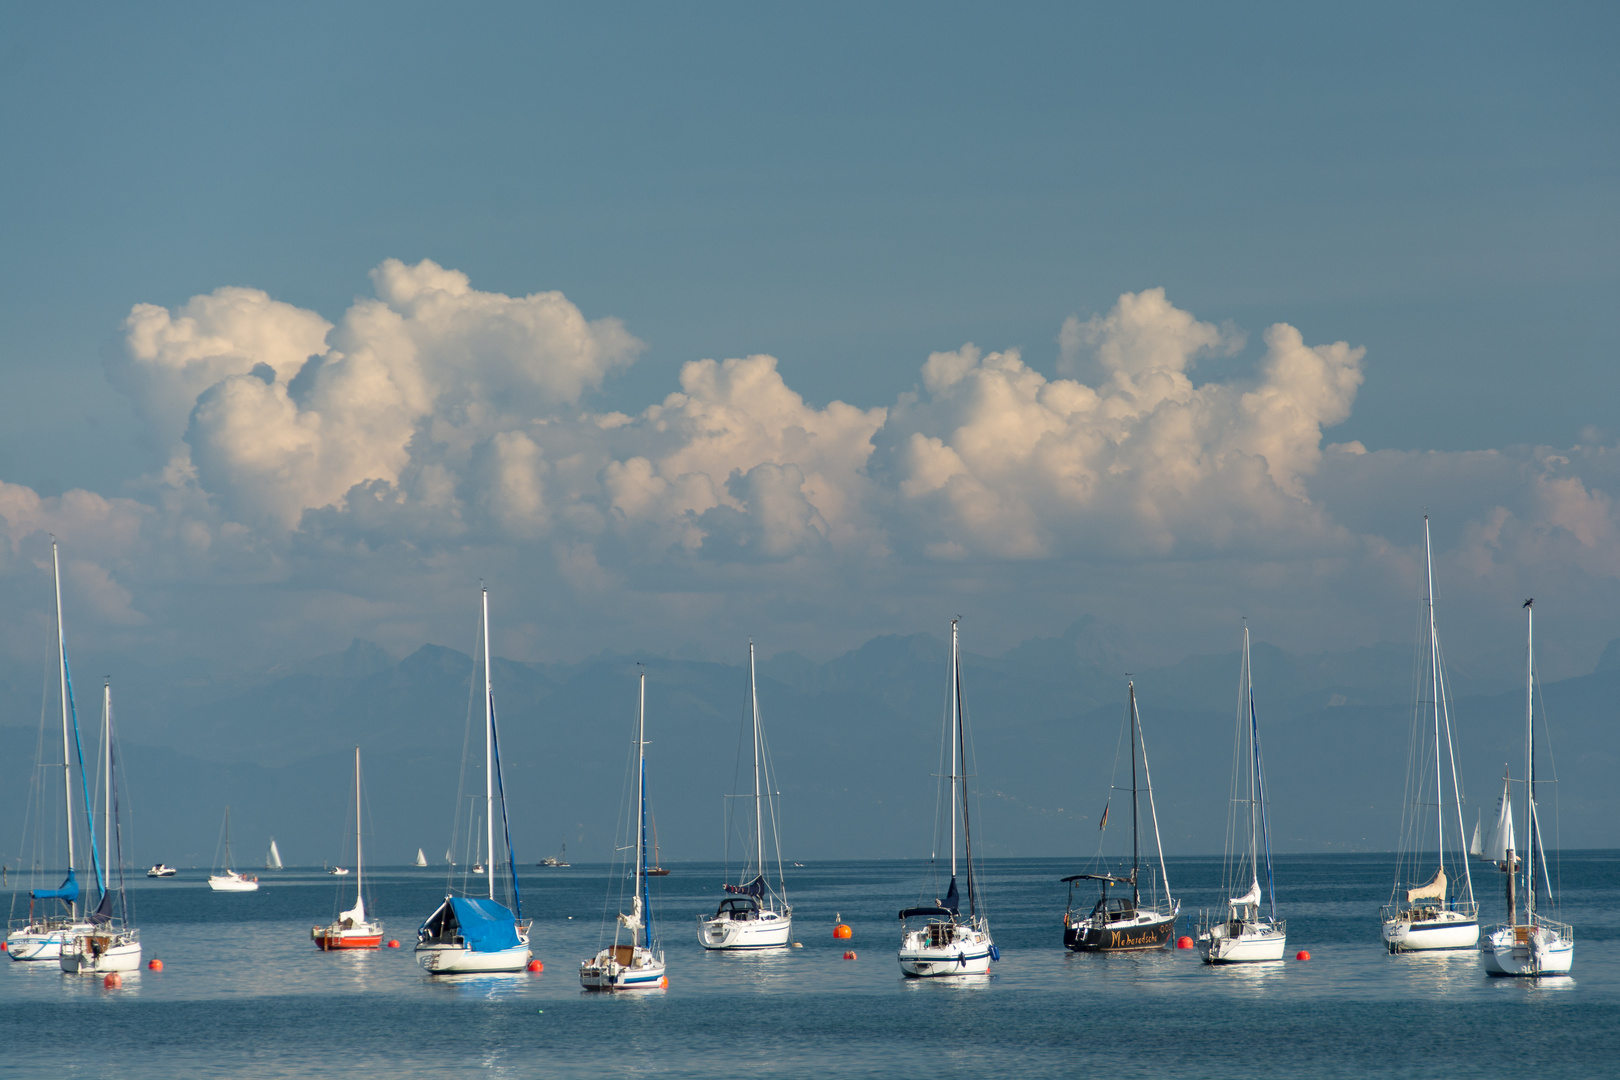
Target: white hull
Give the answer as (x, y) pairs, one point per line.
(460, 960)
(232, 883)
(82, 957)
(33, 943)
(769, 930)
(1243, 943)
(608, 971)
(1430, 930)
(1517, 951)
(941, 950)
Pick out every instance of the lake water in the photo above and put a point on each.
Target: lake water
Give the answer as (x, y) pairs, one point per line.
(245, 993)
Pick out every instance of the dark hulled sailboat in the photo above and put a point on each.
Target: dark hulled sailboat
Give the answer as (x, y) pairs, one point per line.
(1123, 923)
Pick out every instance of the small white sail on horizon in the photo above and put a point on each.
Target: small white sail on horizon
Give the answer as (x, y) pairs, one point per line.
(421, 859)
(272, 861)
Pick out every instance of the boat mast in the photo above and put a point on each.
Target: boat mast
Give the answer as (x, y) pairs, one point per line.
(67, 766)
(1254, 818)
(641, 813)
(759, 821)
(1530, 760)
(1136, 847)
(1434, 683)
(956, 717)
(359, 863)
(106, 786)
(489, 752)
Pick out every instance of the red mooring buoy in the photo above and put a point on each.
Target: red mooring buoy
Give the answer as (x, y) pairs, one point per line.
(1184, 942)
(1302, 955)
(842, 930)
(535, 965)
(154, 964)
(393, 943)
(113, 980)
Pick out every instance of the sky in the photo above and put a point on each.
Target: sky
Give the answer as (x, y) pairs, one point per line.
(677, 324)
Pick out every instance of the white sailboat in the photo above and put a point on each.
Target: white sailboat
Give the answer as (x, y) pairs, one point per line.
(753, 915)
(43, 934)
(352, 929)
(113, 944)
(228, 880)
(1536, 945)
(421, 859)
(479, 934)
(948, 944)
(1243, 934)
(1422, 913)
(272, 858)
(1125, 924)
(638, 965)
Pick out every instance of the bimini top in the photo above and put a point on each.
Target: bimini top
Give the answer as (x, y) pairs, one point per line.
(483, 925)
(69, 890)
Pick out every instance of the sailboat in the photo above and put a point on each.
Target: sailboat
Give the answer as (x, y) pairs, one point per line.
(1422, 914)
(113, 944)
(657, 869)
(480, 934)
(229, 880)
(1536, 945)
(748, 918)
(352, 930)
(559, 859)
(421, 859)
(1244, 935)
(272, 858)
(43, 935)
(948, 944)
(638, 965)
(1118, 924)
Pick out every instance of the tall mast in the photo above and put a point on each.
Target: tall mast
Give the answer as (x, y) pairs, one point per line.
(956, 718)
(1136, 847)
(61, 658)
(106, 785)
(641, 812)
(359, 863)
(1434, 683)
(1530, 759)
(1254, 818)
(489, 752)
(759, 821)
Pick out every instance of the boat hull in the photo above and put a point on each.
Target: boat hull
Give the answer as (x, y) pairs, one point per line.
(624, 968)
(769, 930)
(1143, 932)
(1243, 943)
(941, 950)
(42, 942)
(1528, 952)
(1429, 930)
(329, 938)
(92, 954)
(233, 883)
(460, 960)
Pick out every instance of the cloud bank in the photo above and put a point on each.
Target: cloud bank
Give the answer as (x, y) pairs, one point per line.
(329, 479)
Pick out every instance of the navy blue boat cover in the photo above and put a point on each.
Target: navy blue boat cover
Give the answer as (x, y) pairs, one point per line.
(753, 888)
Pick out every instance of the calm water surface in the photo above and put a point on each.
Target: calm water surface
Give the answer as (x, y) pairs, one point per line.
(244, 992)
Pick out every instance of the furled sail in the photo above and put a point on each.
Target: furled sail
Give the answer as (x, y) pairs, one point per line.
(1249, 898)
(1433, 889)
(1502, 840)
(355, 915)
(632, 921)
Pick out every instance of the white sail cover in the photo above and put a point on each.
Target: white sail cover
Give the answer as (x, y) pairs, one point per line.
(632, 921)
(1477, 847)
(1502, 840)
(354, 916)
(1433, 889)
(273, 860)
(1249, 898)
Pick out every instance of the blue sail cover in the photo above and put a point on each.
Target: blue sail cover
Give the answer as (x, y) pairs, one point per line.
(753, 888)
(68, 893)
(953, 899)
(485, 925)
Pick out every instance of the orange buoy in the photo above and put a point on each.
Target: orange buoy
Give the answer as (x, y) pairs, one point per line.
(112, 980)
(393, 943)
(154, 964)
(663, 982)
(2, 946)
(842, 930)
(1302, 955)
(1184, 942)
(850, 955)
(535, 965)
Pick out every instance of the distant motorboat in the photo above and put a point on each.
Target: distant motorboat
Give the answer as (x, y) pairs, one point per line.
(339, 871)
(559, 859)
(161, 870)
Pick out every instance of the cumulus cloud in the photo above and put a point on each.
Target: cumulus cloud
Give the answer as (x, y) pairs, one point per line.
(366, 468)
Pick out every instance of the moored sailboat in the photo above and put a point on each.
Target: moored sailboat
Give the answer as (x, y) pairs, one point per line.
(1422, 913)
(114, 944)
(638, 965)
(229, 880)
(1124, 924)
(1535, 945)
(949, 944)
(468, 934)
(1243, 934)
(753, 915)
(352, 929)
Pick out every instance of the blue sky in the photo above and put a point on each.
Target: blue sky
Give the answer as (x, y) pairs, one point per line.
(847, 189)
